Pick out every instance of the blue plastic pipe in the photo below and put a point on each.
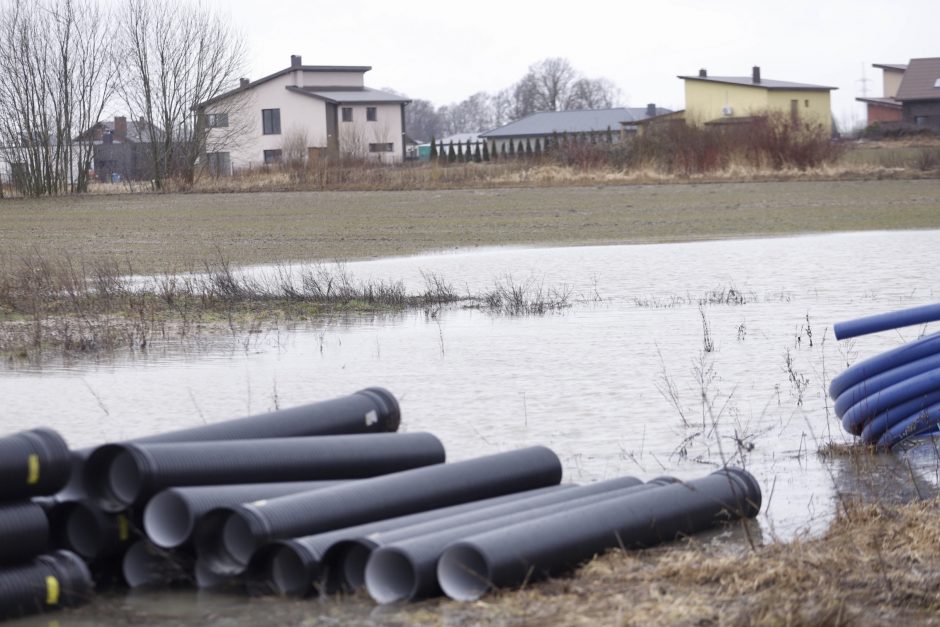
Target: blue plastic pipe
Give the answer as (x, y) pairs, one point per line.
(887, 321)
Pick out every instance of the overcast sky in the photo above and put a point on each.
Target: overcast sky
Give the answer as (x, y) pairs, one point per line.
(444, 51)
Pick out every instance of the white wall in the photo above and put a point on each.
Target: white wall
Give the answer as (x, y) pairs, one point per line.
(301, 114)
(355, 136)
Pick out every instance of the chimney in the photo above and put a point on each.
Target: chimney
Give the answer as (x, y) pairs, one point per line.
(295, 61)
(120, 128)
(651, 109)
(755, 74)
(243, 82)
(703, 73)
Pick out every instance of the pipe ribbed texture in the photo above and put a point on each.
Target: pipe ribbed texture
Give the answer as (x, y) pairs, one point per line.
(404, 567)
(171, 516)
(371, 410)
(46, 583)
(894, 395)
(530, 550)
(122, 475)
(244, 528)
(24, 531)
(294, 566)
(33, 463)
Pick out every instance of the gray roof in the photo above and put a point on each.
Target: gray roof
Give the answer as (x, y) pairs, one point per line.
(349, 94)
(765, 83)
(920, 81)
(884, 102)
(890, 66)
(580, 121)
(362, 69)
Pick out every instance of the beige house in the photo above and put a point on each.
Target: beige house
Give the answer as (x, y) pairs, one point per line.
(303, 113)
(731, 99)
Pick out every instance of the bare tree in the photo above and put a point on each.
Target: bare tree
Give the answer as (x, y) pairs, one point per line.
(176, 57)
(592, 93)
(422, 120)
(55, 80)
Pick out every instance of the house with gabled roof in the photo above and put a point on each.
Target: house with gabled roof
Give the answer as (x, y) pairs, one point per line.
(885, 108)
(919, 93)
(734, 99)
(304, 112)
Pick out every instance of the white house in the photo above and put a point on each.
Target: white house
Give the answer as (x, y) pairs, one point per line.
(303, 112)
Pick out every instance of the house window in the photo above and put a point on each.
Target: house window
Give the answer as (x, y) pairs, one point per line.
(272, 156)
(217, 120)
(271, 121)
(806, 104)
(370, 114)
(347, 114)
(219, 163)
(381, 147)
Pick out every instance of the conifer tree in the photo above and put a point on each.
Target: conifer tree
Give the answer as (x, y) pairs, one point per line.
(520, 149)
(451, 153)
(538, 147)
(512, 148)
(610, 136)
(477, 157)
(528, 147)
(433, 148)
(486, 151)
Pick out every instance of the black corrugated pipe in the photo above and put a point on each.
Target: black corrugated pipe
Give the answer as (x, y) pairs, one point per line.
(83, 528)
(33, 463)
(293, 567)
(122, 475)
(344, 563)
(48, 582)
(512, 555)
(24, 531)
(171, 516)
(226, 538)
(406, 569)
(372, 410)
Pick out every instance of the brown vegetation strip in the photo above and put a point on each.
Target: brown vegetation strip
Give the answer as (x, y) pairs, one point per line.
(152, 233)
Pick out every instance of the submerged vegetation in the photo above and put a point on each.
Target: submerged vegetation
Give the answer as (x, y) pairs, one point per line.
(78, 307)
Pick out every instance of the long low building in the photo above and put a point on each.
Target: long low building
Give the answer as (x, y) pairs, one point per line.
(593, 125)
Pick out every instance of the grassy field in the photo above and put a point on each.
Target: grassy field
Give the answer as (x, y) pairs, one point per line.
(182, 231)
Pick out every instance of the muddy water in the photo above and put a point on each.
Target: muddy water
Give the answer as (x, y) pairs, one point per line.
(649, 371)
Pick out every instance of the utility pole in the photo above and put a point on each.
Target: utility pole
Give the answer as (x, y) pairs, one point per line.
(864, 81)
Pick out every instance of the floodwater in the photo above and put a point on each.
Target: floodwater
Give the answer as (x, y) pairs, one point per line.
(618, 383)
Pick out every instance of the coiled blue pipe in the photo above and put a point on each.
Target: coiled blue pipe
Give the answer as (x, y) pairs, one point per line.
(895, 395)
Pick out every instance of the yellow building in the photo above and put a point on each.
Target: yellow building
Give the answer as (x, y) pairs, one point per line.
(729, 99)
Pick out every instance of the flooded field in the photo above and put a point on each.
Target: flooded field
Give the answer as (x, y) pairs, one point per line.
(671, 359)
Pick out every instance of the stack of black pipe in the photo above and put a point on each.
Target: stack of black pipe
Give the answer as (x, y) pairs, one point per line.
(35, 464)
(319, 498)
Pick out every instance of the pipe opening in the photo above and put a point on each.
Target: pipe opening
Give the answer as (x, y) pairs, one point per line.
(354, 561)
(287, 574)
(463, 574)
(205, 578)
(83, 532)
(141, 567)
(390, 576)
(168, 520)
(124, 480)
(238, 540)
